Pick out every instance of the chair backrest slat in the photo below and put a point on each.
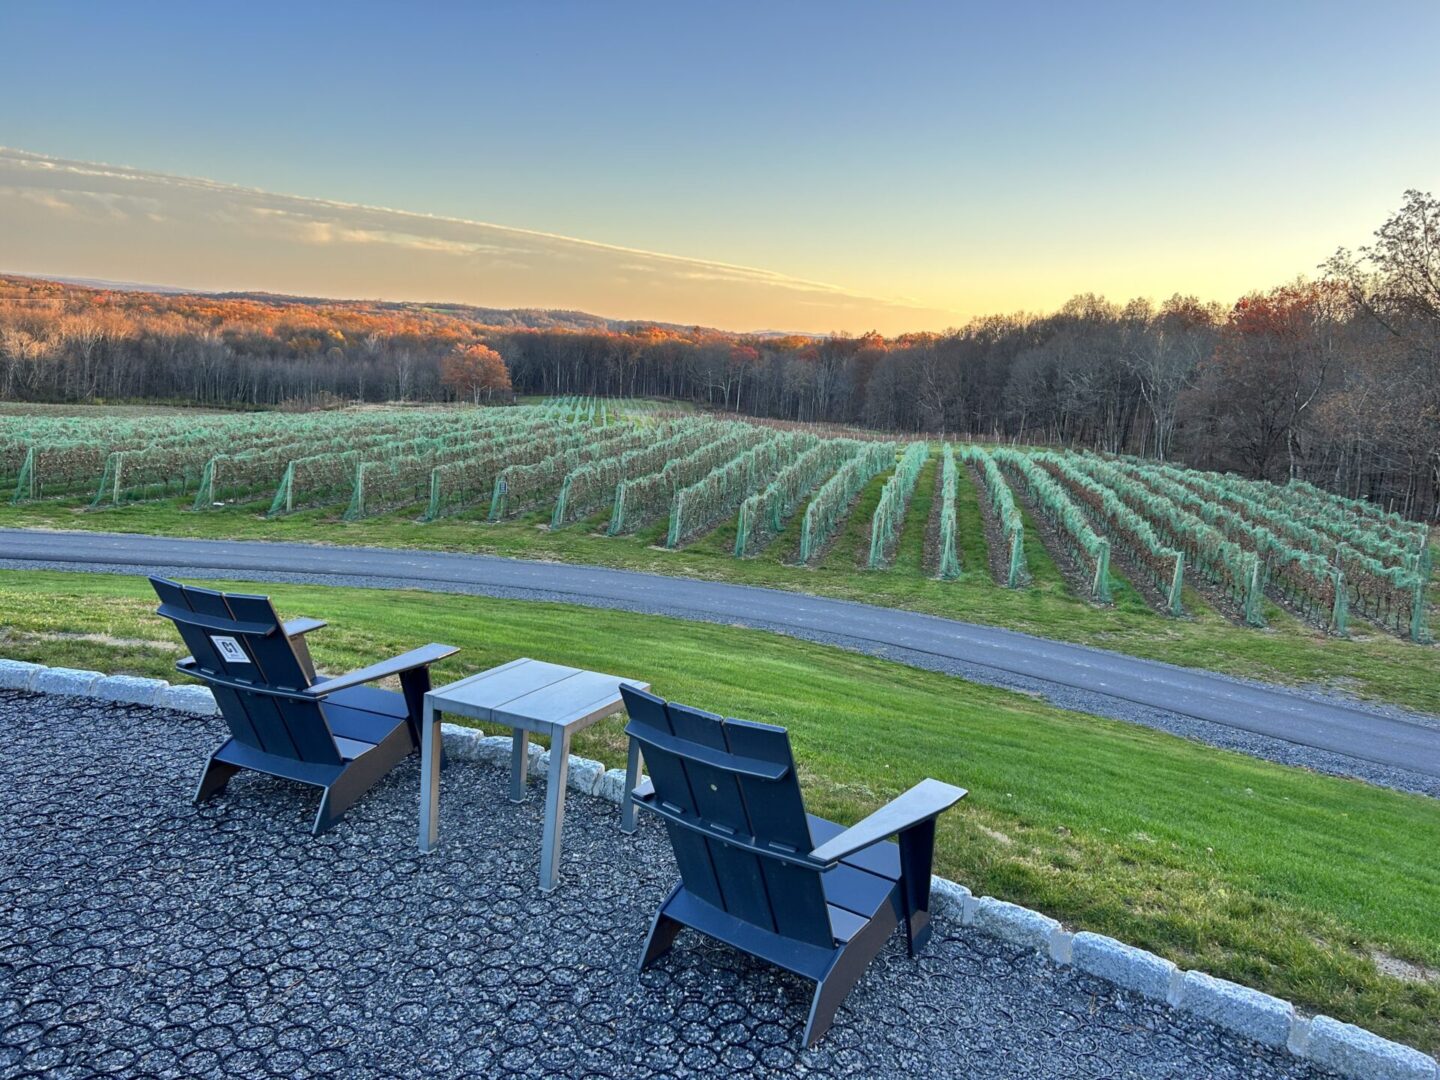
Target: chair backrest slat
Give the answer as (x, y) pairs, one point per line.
(778, 810)
(733, 778)
(238, 641)
(718, 802)
(672, 786)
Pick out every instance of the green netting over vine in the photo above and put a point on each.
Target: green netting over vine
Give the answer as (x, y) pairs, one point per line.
(1120, 524)
(828, 507)
(647, 497)
(522, 485)
(949, 561)
(1002, 506)
(763, 514)
(592, 485)
(1065, 516)
(889, 516)
(720, 492)
(1169, 508)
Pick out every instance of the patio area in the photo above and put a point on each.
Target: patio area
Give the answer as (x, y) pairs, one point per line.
(140, 934)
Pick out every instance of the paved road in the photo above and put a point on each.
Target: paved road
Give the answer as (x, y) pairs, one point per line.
(1385, 738)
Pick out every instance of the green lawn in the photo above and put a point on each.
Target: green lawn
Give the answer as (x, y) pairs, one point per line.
(1271, 876)
(1369, 664)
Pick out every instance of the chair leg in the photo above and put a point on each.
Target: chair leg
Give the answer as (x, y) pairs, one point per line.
(917, 851)
(328, 816)
(848, 964)
(830, 994)
(415, 684)
(662, 932)
(213, 780)
(359, 776)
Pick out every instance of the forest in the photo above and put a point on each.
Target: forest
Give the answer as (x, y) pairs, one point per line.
(1334, 380)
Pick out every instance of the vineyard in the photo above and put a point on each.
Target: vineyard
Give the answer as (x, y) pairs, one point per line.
(627, 472)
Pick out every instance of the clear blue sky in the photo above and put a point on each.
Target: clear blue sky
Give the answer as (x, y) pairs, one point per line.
(965, 157)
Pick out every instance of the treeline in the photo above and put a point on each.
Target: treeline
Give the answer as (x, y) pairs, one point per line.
(1336, 381)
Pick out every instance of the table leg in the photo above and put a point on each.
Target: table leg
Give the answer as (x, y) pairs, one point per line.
(556, 782)
(519, 765)
(430, 749)
(632, 778)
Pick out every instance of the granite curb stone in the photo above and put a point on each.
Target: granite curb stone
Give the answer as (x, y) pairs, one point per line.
(18, 674)
(611, 786)
(1353, 1051)
(948, 898)
(189, 698)
(130, 689)
(72, 682)
(1013, 923)
(1237, 1008)
(460, 742)
(1124, 965)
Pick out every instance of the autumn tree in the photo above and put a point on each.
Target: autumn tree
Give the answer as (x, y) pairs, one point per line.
(1162, 350)
(1274, 357)
(1391, 406)
(474, 370)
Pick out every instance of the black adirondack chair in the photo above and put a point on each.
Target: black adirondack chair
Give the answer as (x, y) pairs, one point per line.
(759, 873)
(337, 734)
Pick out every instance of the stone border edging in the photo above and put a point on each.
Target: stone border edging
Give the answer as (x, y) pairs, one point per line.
(1348, 1050)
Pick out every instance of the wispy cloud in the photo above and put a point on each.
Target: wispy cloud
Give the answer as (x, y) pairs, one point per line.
(83, 218)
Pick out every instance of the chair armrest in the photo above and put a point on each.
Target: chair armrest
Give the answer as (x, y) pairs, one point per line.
(415, 658)
(921, 803)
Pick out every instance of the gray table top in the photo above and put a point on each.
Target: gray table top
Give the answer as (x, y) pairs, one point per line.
(534, 695)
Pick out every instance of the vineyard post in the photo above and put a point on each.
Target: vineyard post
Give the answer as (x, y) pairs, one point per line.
(1254, 591)
(106, 479)
(617, 515)
(356, 509)
(1177, 584)
(1340, 613)
(432, 511)
(805, 533)
(206, 494)
(1017, 559)
(742, 527)
(877, 530)
(557, 519)
(497, 498)
(1101, 588)
(677, 514)
(25, 486)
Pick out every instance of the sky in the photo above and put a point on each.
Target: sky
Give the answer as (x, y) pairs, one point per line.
(790, 166)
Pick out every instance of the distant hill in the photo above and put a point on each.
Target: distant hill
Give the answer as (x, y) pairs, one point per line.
(500, 318)
(106, 283)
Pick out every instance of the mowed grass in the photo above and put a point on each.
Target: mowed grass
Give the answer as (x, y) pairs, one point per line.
(1370, 664)
(1271, 876)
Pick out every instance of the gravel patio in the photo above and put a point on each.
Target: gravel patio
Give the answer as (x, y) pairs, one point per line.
(140, 935)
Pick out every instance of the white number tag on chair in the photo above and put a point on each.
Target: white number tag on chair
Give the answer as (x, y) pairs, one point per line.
(229, 649)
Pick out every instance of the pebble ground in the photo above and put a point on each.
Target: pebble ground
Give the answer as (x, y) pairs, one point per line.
(144, 936)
